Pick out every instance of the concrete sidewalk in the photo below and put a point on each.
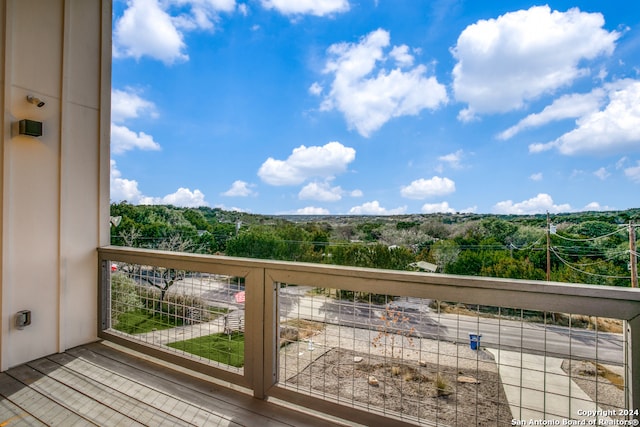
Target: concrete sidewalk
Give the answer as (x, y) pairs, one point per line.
(538, 389)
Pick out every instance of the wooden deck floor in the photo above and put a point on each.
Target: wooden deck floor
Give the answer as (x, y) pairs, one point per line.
(98, 384)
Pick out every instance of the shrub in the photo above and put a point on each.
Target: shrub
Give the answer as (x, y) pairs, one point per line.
(124, 296)
(191, 308)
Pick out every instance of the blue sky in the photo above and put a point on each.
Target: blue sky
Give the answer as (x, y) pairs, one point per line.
(377, 106)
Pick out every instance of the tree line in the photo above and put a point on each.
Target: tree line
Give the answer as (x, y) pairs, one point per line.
(589, 247)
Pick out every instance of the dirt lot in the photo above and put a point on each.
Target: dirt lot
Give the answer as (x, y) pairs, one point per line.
(450, 395)
(604, 384)
(434, 381)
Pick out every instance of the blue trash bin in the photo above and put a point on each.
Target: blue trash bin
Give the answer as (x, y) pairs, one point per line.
(474, 341)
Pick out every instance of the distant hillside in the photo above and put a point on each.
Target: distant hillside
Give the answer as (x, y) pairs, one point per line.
(586, 247)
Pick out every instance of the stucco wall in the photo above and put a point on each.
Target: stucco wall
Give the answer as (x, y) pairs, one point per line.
(54, 197)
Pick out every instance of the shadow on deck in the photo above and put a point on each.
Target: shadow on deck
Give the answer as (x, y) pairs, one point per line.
(105, 385)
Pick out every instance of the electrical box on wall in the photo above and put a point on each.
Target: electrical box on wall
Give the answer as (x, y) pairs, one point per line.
(30, 127)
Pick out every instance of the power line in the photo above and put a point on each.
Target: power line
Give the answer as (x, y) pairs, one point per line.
(609, 255)
(565, 262)
(588, 239)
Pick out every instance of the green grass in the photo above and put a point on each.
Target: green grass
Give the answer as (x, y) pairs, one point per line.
(141, 321)
(219, 347)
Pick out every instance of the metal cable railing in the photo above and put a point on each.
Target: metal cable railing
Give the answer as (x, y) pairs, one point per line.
(361, 344)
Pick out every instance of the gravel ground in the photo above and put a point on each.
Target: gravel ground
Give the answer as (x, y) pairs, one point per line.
(427, 379)
(595, 385)
(326, 364)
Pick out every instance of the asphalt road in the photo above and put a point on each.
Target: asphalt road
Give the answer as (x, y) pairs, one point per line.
(533, 338)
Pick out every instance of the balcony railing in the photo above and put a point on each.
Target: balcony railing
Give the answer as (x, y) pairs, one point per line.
(380, 346)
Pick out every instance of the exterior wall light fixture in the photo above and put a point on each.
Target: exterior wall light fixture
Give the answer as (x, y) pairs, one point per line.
(30, 128)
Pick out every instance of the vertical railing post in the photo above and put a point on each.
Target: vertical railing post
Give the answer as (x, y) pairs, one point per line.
(104, 295)
(270, 336)
(633, 364)
(254, 331)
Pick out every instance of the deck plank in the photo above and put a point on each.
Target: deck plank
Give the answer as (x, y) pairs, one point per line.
(10, 413)
(54, 391)
(40, 409)
(140, 386)
(105, 402)
(241, 408)
(104, 385)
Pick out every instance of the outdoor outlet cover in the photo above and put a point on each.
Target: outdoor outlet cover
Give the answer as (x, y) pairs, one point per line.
(23, 318)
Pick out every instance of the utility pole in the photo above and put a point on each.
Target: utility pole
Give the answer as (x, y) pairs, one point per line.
(632, 252)
(548, 248)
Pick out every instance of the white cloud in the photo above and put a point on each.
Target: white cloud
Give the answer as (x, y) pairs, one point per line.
(204, 13)
(127, 104)
(315, 89)
(621, 162)
(182, 198)
(442, 207)
(467, 115)
(312, 210)
(145, 29)
(602, 173)
(121, 188)
(595, 206)
(368, 95)
(231, 208)
(577, 173)
(565, 107)
(307, 162)
(320, 191)
(540, 204)
(240, 189)
(536, 176)
(452, 159)
(423, 188)
(402, 56)
(633, 173)
(613, 130)
(374, 208)
(243, 9)
(307, 7)
(127, 189)
(356, 193)
(505, 62)
(123, 139)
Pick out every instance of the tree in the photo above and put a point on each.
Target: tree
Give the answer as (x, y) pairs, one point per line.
(177, 243)
(197, 219)
(444, 252)
(468, 263)
(130, 237)
(511, 268)
(124, 296)
(591, 229)
(499, 230)
(164, 278)
(370, 231)
(395, 326)
(372, 256)
(297, 244)
(256, 243)
(598, 272)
